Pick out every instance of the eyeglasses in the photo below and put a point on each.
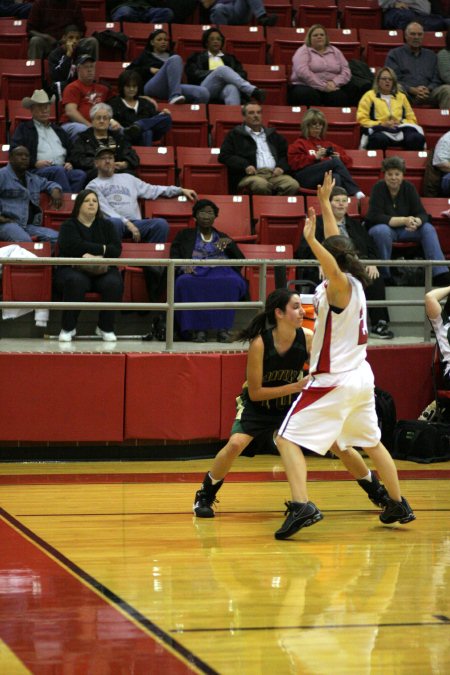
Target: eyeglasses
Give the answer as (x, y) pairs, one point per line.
(316, 124)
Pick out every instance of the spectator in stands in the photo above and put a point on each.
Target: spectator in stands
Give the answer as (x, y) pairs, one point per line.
(61, 60)
(320, 73)
(21, 214)
(256, 157)
(49, 145)
(99, 135)
(400, 14)
(313, 154)
(364, 245)
(441, 161)
(206, 284)
(79, 97)
(142, 11)
(162, 71)
(396, 213)
(443, 60)
(87, 235)
(15, 8)
(221, 74)
(416, 70)
(46, 24)
(238, 12)
(386, 116)
(118, 196)
(138, 114)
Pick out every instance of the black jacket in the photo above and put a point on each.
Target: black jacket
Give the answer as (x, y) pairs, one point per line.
(86, 145)
(184, 242)
(75, 239)
(238, 151)
(382, 207)
(127, 116)
(144, 62)
(364, 244)
(26, 134)
(197, 66)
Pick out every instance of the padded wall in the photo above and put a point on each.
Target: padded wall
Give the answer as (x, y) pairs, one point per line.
(173, 396)
(62, 397)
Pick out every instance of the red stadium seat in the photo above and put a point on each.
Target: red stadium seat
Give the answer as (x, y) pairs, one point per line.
(54, 217)
(222, 119)
(279, 219)
(285, 119)
(28, 282)
(187, 38)
(93, 10)
(138, 36)
(271, 78)
(376, 43)
(107, 72)
(178, 213)
(360, 14)
(13, 38)
(317, 11)
(435, 123)
(246, 43)
(434, 41)
(135, 288)
(270, 252)
(416, 162)
(283, 10)
(342, 126)
(435, 206)
(443, 233)
(4, 154)
(156, 165)
(106, 53)
(2, 122)
(189, 125)
(19, 78)
(366, 168)
(200, 170)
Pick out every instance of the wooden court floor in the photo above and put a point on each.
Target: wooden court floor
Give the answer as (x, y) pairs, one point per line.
(104, 571)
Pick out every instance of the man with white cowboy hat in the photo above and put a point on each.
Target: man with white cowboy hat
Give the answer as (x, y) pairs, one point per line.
(48, 144)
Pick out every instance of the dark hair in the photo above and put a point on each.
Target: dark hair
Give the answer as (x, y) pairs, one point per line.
(278, 299)
(208, 32)
(393, 162)
(154, 34)
(201, 203)
(129, 77)
(79, 199)
(72, 28)
(338, 190)
(344, 252)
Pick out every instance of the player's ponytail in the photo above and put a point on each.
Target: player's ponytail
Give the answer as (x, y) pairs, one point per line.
(342, 249)
(278, 299)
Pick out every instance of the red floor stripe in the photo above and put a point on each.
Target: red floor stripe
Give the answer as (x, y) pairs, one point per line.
(187, 477)
(54, 623)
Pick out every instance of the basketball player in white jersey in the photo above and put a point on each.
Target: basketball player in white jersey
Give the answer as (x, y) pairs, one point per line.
(338, 403)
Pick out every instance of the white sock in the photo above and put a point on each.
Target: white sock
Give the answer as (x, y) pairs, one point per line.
(368, 477)
(213, 480)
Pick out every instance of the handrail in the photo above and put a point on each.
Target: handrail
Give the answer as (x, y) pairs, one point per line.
(171, 306)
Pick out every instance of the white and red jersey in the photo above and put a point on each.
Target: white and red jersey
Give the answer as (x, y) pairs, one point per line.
(340, 338)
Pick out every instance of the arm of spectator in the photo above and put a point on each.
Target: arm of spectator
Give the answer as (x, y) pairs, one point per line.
(299, 155)
(72, 112)
(363, 111)
(409, 112)
(443, 61)
(229, 154)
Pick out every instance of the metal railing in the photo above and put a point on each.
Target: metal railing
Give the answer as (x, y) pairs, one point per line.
(170, 306)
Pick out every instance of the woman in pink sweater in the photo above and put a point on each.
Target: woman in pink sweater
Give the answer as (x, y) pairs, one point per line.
(320, 73)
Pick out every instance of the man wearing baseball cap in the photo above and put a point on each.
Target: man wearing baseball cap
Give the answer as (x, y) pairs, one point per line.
(49, 145)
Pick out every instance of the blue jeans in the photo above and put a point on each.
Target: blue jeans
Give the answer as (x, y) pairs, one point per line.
(142, 15)
(154, 128)
(167, 83)
(238, 12)
(225, 84)
(73, 129)
(70, 181)
(154, 230)
(384, 235)
(15, 232)
(312, 175)
(445, 185)
(400, 18)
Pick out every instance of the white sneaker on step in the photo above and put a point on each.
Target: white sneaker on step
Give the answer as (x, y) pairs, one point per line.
(106, 337)
(67, 335)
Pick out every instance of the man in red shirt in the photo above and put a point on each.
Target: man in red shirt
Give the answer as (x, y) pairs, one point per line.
(80, 95)
(46, 23)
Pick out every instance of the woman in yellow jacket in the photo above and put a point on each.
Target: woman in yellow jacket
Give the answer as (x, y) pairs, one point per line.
(386, 116)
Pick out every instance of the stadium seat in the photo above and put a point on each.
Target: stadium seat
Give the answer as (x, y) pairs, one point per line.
(443, 233)
(435, 123)
(271, 78)
(342, 126)
(376, 43)
(246, 43)
(4, 154)
(19, 78)
(416, 162)
(187, 38)
(17, 113)
(435, 206)
(135, 288)
(270, 252)
(28, 282)
(54, 217)
(107, 72)
(156, 164)
(189, 125)
(360, 14)
(283, 10)
(13, 38)
(138, 36)
(200, 170)
(106, 53)
(285, 119)
(366, 168)
(434, 41)
(222, 119)
(177, 211)
(93, 10)
(279, 219)
(284, 42)
(317, 11)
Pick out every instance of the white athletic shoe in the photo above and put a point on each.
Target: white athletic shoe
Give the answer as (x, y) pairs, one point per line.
(67, 335)
(106, 337)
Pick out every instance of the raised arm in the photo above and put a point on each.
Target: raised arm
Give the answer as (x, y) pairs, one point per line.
(330, 227)
(432, 301)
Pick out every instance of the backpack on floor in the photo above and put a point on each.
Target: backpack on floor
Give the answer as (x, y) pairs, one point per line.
(421, 441)
(387, 416)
